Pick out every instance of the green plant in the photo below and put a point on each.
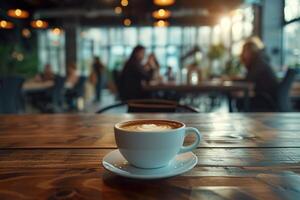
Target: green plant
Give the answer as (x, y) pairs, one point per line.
(233, 66)
(19, 62)
(216, 51)
(5, 54)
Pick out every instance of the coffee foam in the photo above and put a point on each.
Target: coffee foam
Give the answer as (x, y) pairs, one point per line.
(150, 126)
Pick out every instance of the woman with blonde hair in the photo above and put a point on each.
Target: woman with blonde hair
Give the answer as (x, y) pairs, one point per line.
(259, 72)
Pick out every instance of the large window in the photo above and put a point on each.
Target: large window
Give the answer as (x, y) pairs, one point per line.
(114, 44)
(51, 45)
(291, 9)
(292, 32)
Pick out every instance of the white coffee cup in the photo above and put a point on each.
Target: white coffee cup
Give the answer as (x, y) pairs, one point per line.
(153, 148)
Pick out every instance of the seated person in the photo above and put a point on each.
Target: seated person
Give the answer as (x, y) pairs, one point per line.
(72, 76)
(134, 75)
(46, 75)
(260, 73)
(152, 66)
(170, 75)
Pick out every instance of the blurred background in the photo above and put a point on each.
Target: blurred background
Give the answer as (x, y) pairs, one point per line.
(65, 38)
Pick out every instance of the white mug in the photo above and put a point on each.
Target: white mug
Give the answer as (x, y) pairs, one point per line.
(153, 149)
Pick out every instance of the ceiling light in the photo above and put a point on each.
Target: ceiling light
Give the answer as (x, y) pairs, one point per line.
(6, 24)
(18, 13)
(118, 10)
(26, 33)
(124, 2)
(127, 22)
(161, 14)
(56, 31)
(163, 2)
(39, 24)
(161, 23)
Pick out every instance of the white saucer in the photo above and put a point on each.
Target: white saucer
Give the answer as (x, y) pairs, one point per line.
(117, 164)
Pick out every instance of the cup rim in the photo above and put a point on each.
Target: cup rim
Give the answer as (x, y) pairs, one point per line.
(117, 126)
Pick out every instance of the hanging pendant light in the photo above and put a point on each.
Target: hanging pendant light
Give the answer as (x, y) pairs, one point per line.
(161, 14)
(163, 2)
(161, 23)
(18, 13)
(127, 22)
(39, 24)
(6, 24)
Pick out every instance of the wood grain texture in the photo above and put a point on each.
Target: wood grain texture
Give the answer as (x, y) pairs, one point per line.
(243, 156)
(96, 183)
(91, 158)
(96, 131)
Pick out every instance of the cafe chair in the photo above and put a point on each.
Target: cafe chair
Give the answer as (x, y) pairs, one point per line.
(151, 106)
(117, 81)
(11, 94)
(283, 99)
(52, 100)
(282, 103)
(58, 93)
(76, 94)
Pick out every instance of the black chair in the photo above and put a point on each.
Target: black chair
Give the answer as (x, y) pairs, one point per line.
(283, 98)
(76, 92)
(117, 80)
(52, 99)
(282, 103)
(58, 93)
(79, 87)
(11, 94)
(151, 106)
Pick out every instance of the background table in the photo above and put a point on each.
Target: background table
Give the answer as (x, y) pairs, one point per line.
(253, 156)
(36, 86)
(222, 87)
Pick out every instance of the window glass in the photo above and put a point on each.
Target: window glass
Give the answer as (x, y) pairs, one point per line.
(291, 9)
(174, 35)
(130, 36)
(292, 43)
(145, 36)
(116, 36)
(160, 36)
(52, 50)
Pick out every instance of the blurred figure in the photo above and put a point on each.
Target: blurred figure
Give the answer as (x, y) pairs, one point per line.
(72, 76)
(46, 75)
(194, 74)
(97, 73)
(170, 76)
(134, 75)
(259, 72)
(152, 67)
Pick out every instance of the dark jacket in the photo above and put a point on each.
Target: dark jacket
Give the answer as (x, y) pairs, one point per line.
(262, 75)
(131, 80)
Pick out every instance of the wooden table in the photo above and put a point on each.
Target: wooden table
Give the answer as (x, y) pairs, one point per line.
(243, 156)
(36, 86)
(223, 87)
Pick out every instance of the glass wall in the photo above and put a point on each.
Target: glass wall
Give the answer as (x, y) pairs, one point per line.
(292, 32)
(114, 44)
(51, 50)
(291, 9)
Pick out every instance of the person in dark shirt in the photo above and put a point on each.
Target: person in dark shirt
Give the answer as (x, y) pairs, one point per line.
(259, 72)
(134, 75)
(98, 69)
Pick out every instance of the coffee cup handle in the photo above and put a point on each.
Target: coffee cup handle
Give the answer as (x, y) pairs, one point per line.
(189, 130)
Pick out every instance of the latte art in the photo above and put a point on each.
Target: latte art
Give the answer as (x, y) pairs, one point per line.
(150, 126)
